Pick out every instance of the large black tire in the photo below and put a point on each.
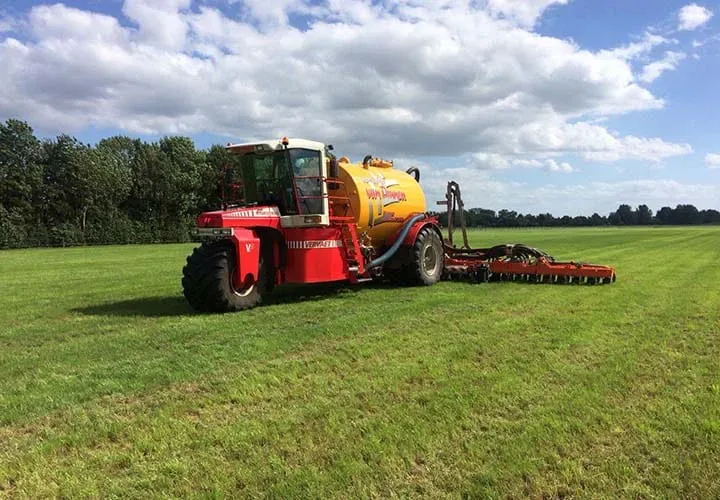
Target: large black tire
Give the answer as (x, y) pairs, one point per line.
(207, 283)
(426, 258)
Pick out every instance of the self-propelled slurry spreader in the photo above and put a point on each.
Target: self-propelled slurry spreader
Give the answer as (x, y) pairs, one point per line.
(295, 213)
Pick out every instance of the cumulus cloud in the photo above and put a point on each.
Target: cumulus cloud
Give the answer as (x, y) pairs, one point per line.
(693, 16)
(58, 22)
(670, 61)
(712, 160)
(593, 142)
(394, 78)
(160, 22)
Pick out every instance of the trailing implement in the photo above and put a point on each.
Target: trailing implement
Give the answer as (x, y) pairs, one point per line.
(295, 213)
(512, 262)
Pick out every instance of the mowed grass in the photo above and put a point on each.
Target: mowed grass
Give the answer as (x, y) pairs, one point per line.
(110, 386)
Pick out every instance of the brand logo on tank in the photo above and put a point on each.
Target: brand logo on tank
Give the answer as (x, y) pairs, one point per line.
(379, 189)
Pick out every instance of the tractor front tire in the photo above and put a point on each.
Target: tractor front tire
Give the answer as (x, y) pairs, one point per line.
(207, 280)
(427, 258)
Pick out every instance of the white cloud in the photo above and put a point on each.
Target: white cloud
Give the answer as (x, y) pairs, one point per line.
(524, 12)
(652, 71)
(639, 48)
(493, 161)
(693, 16)
(528, 163)
(392, 78)
(490, 161)
(57, 22)
(269, 12)
(160, 22)
(593, 142)
(7, 24)
(563, 167)
(712, 160)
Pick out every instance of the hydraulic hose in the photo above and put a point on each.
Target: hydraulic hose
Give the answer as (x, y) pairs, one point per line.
(415, 172)
(399, 241)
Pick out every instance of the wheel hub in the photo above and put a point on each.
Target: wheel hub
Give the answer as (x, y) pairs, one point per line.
(429, 260)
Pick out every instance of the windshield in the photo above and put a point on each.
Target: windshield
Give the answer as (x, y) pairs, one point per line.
(289, 179)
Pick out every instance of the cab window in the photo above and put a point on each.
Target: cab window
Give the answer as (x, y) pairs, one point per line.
(308, 180)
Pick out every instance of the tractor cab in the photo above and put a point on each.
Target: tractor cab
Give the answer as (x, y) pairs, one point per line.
(289, 174)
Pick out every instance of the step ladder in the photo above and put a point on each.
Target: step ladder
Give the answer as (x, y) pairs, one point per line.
(348, 227)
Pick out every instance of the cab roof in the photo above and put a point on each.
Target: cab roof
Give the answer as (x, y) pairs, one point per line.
(274, 144)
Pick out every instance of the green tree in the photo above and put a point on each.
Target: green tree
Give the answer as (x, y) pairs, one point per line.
(710, 216)
(507, 218)
(597, 220)
(20, 169)
(219, 178)
(644, 215)
(664, 215)
(545, 220)
(626, 215)
(686, 214)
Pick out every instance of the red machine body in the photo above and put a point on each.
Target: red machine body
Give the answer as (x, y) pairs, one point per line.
(306, 254)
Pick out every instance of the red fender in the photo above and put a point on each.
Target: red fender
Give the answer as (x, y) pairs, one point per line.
(247, 253)
(415, 230)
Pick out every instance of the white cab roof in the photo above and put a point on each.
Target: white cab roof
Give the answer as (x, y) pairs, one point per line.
(274, 144)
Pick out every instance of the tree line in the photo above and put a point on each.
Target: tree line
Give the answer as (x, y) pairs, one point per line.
(625, 215)
(61, 192)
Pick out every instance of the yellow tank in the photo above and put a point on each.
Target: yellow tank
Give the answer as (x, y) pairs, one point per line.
(381, 197)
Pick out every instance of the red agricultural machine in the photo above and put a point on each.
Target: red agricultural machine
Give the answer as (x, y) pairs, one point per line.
(298, 214)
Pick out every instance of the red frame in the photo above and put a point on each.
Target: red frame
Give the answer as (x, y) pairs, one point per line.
(311, 254)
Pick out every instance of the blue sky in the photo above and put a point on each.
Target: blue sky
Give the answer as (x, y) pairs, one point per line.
(567, 106)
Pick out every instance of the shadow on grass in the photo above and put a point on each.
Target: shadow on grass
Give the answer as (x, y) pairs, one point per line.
(290, 294)
(150, 307)
(157, 307)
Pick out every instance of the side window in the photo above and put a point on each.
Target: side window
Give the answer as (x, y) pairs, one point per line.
(306, 163)
(266, 180)
(264, 168)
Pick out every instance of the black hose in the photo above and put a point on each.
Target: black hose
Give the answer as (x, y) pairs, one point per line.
(415, 172)
(367, 159)
(399, 241)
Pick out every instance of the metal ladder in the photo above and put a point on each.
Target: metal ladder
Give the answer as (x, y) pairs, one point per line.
(348, 226)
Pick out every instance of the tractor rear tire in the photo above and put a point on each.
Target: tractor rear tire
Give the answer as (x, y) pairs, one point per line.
(427, 258)
(207, 280)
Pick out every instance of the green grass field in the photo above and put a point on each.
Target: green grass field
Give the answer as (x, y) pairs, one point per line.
(109, 386)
